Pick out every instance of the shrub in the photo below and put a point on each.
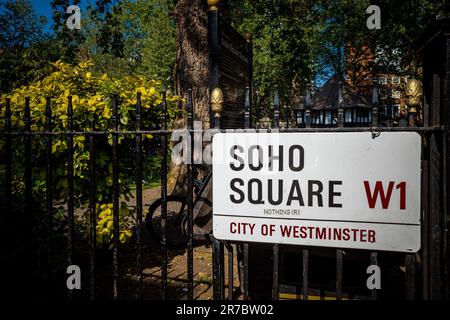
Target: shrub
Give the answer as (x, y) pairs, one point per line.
(91, 96)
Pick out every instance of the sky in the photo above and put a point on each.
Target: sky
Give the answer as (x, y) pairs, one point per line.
(43, 8)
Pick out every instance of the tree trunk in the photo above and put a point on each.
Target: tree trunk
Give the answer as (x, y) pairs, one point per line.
(192, 54)
(191, 71)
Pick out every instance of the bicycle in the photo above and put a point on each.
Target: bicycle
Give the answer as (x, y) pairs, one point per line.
(177, 214)
(177, 219)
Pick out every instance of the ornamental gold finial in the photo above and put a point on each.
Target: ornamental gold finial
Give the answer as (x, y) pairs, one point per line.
(217, 102)
(413, 93)
(213, 5)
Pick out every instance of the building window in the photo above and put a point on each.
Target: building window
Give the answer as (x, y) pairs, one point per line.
(358, 116)
(395, 80)
(396, 111)
(300, 119)
(383, 112)
(365, 116)
(355, 115)
(328, 118)
(383, 80)
(389, 112)
(348, 116)
(395, 94)
(315, 118)
(335, 118)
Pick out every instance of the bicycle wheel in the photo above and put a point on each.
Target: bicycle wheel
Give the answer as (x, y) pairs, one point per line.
(175, 210)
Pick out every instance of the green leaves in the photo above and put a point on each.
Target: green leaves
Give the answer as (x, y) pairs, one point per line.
(299, 41)
(281, 41)
(105, 224)
(89, 98)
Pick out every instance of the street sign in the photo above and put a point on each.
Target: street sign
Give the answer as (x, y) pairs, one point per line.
(343, 190)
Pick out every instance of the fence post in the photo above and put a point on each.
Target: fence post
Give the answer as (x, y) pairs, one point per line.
(412, 117)
(275, 275)
(247, 114)
(276, 108)
(230, 271)
(49, 186)
(218, 248)
(375, 114)
(373, 261)
(92, 209)
(276, 248)
(70, 205)
(28, 176)
(218, 261)
(308, 118)
(213, 48)
(445, 196)
(30, 213)
(308, 107)
(339, 252)
(116, 226)
(249, 38)
(164, 258)
(190, 200)
(425, 211)
(138, 182)
(245, 245)
(339, 271)
(8, 216)
(410, 277)
(305, 260)
(8, 162)
(340, 106)
(340, 117)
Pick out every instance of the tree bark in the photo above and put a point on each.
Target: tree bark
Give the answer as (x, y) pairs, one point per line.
(192, 54)
(191, 71)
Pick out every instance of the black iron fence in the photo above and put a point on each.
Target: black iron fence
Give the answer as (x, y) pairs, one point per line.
(35, 224)
(411, 276)
(420, 270)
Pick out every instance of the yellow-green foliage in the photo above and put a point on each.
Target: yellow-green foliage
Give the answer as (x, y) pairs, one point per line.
(91, 96)
(105, 224)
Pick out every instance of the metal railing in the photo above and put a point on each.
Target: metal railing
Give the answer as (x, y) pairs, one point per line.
(431, 220)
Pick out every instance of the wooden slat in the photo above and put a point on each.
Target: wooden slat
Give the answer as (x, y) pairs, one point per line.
(435, 222)
(425, 226)
(436, 106)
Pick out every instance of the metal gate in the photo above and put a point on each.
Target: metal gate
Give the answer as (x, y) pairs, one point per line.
(424, 275)
(412, 276)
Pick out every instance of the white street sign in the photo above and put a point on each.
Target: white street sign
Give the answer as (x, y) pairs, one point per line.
(344, 190)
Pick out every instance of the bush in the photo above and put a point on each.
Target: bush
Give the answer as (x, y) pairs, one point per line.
(91, 95)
